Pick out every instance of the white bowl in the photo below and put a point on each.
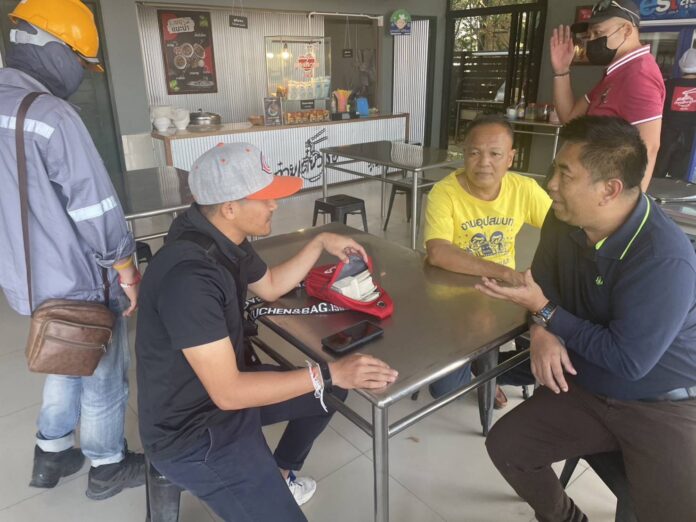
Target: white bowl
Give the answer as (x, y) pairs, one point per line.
(160, 111)
(162, 124)
(181, 124)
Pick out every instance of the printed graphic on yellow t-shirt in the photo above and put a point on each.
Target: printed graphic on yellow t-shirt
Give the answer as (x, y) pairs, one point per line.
(485, 229)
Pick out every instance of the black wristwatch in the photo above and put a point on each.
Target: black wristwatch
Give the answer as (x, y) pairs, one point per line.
(326, 376)
(543, 316)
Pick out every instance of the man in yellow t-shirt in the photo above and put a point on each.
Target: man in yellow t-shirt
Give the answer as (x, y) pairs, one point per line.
(475, 213)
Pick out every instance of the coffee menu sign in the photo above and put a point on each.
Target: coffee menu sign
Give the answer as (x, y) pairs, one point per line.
(187, 48)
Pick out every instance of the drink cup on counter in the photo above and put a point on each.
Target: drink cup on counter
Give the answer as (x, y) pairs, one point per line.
(511, 113)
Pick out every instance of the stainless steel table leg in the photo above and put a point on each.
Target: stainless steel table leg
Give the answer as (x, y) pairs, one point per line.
(414, 210)
(555, 141)
(324, 183)
(381, 199)
(380, 452)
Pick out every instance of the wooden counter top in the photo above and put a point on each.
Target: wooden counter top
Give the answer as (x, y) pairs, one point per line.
(236, 128)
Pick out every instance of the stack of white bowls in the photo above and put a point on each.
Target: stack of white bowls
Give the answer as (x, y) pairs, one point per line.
(181, 118)
(161, 117)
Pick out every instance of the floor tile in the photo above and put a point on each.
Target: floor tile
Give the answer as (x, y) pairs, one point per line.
(68, 502)
(14, 328)
(19, 388)
(593, 497)
(346, 496)
(330, 451)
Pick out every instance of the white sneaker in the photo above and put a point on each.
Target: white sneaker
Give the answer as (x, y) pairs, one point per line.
(302, 488)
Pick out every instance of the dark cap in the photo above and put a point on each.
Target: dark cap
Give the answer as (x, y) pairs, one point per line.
(605, 9)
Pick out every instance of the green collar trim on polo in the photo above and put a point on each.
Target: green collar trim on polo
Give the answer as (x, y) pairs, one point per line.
(600, 243)
(640, 227)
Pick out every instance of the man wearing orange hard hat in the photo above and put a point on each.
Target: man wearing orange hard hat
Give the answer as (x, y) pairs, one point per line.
(78, 244)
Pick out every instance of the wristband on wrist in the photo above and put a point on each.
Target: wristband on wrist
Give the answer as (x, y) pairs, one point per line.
(314, 375)
(133, 283)
(326, 376)
(123, 265)
(560, 75)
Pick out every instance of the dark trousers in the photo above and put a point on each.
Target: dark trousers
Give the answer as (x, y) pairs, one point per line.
(237, 476)
(657, 440)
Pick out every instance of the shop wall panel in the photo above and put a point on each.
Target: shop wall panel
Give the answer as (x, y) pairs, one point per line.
(410, 78)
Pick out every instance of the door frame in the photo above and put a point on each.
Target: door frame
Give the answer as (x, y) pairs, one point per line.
(450, 19)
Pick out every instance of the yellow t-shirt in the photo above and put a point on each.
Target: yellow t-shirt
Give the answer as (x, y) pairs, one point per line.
(485, 228)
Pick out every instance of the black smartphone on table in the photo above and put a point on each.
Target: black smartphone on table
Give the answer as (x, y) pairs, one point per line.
(351, 338)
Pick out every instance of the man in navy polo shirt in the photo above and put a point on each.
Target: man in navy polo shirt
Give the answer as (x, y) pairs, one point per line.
(632, 87)
(612, 291)
(202, 398)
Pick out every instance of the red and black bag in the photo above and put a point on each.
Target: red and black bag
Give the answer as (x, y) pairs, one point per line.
(321, 279)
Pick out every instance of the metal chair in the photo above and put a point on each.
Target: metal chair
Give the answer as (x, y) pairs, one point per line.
(340, 206)
(610, 468)
(161, 496)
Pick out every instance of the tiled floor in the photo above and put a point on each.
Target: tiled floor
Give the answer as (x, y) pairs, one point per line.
(439, 468)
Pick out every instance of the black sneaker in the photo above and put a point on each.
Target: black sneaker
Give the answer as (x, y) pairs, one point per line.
(110, 479)
(49, 466)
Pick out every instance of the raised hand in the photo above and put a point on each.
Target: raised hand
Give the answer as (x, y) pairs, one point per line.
(562, 49)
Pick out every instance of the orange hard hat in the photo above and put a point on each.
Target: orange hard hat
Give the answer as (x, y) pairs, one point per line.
(70, 21)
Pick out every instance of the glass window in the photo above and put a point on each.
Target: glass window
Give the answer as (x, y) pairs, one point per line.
(474, 4)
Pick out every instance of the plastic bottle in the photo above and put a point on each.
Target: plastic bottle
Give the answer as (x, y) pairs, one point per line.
(521, 108)
(333, 104)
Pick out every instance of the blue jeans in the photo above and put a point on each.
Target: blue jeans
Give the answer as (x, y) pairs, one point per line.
(450, 382)
(237, 476)
(98, 402)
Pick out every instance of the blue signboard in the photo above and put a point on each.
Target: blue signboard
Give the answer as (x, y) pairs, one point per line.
(667, 9)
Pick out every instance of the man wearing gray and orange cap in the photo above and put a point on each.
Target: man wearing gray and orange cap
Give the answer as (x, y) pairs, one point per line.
(632, 87)
(202, 397)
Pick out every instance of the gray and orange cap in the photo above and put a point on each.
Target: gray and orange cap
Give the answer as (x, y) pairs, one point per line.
(234, 171)
(606, 9)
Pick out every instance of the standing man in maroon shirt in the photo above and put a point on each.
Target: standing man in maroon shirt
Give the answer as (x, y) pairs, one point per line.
(632, 87)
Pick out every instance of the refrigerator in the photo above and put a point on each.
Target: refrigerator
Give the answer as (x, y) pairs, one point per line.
(669, 26)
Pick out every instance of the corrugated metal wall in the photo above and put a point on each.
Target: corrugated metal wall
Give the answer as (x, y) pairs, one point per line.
(411, 78)
(240, 59)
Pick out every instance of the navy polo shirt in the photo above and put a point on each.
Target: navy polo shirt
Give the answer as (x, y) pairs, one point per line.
(187, 299)
(626, 306)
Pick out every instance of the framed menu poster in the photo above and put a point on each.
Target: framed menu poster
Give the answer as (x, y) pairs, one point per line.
(187, 48)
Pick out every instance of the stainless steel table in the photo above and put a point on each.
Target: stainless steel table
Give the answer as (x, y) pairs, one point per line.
(153, 192)
(402, 157)
(440, 323)
(552, 130)
(677, 199)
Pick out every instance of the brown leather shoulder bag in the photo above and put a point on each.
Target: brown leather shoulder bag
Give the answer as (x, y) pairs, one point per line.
(67, 337)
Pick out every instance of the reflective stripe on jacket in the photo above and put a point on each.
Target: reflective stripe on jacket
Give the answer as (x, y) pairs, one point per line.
(76, 223)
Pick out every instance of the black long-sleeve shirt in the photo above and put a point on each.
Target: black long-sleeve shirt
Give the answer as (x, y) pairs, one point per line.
(627, 306)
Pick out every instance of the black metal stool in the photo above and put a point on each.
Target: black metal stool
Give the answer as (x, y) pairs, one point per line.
(399, 189)
(610, 468)
(161, 496)
(339, 207)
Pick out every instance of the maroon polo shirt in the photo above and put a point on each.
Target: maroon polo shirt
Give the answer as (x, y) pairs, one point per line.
(632, 88)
